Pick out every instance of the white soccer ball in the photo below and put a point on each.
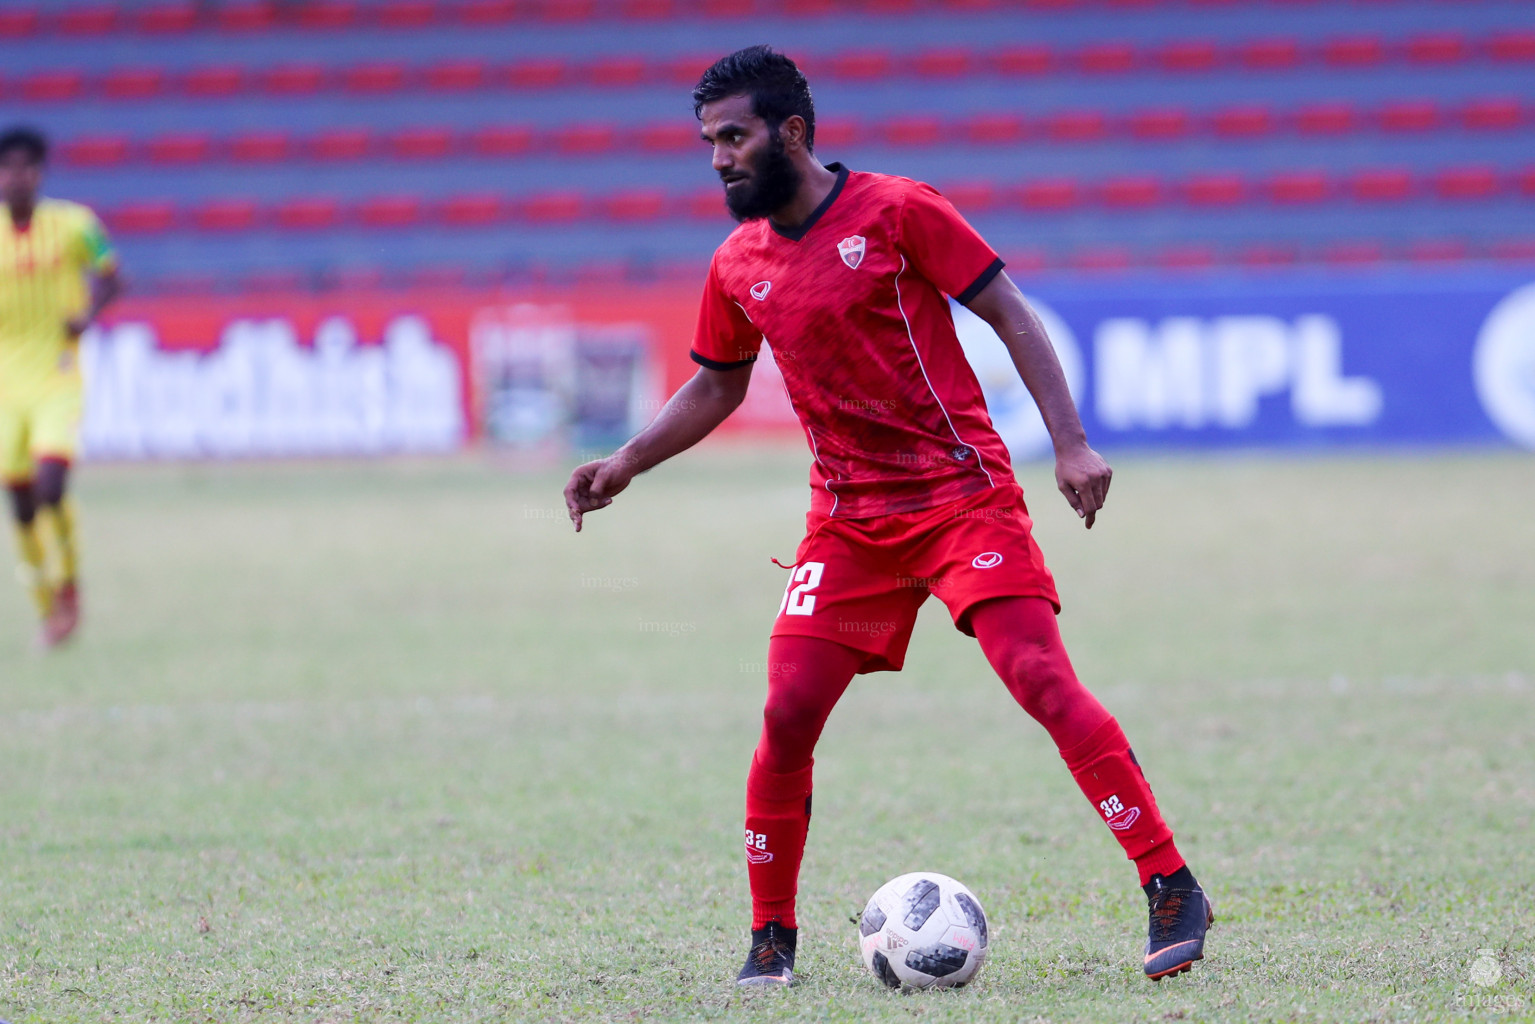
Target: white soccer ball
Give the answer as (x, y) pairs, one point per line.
(923, 930)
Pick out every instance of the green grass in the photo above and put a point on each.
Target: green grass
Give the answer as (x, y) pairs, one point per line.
(388, 742)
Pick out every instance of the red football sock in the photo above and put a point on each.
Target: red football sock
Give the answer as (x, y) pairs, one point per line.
(1111, 778)
(777, 820)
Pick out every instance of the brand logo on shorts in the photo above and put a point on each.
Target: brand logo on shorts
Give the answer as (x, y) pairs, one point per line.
(987, 560)
(851, 250)
(760, 290)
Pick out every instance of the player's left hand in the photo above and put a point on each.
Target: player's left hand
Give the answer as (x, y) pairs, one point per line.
(77, 325)
(1083, 478)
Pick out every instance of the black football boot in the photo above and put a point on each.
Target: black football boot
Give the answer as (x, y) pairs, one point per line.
(771, 960)
(1181, 913)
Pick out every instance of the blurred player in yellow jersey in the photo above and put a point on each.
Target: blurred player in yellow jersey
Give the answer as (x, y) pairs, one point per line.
(57, 272)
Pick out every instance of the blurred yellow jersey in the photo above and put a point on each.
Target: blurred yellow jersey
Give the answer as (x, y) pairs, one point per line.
(44, 269)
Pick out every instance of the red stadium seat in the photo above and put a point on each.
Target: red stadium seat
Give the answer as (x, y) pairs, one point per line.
(972, 196)
(440, 275)
(861, 65)
(1024, 60)
(586, 138)
(806, 8)
(1516, 47)
(133, 83)
(1269, 54)
(308, 214)
(634, 205)
(1524, 181)
(95, 151)
(1493, 114)
(456, 76)
(164, 19)
(87, 21)
(179, 148)
(225, 215)
(502, 140)
(950, 62)
(1361, 251)
(294, 79)
(341, 144)
(1114, 58)
(252, 16)
(1050, 194)
(1185, 257)
(18, 22)
(406, 13)
(993, 129)
(1214, 190)
(615, 72)
(473, 209)
(683, 70)
(889, 8)
(1297, 187)
(1130, 192)
(1075, 125)
(149, 217)
(1409, 116)
(1437, 250)
(539, 73)
(1354, 51)
(1513, 249)
(420, 143)
(913, 132)
(488, 12)
(553, 207)
(1244, 122)
(1381, 185)
(52, 86)
(1467, 182)
(837, 131)
(1438, 48)
(648, 10)
(260, 147)
(1327, 119)
(374, 78)
(1191, 55)
(1101, 258)
(1268, 254)
(669, 137)
(396, 211)
(704, 204)
(327, 14)
(1160, 124)
(567, 11)
(728, 8)
(213, 81)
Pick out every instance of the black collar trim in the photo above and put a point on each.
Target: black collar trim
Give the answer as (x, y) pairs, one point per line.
(795, 234)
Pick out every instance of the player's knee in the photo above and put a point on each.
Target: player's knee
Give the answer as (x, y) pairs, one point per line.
(48, 486)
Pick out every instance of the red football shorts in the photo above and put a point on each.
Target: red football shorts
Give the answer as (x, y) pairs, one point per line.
(859, 582)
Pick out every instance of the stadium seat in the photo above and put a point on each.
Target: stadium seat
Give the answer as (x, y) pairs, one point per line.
(683, 70)
(1243, 122)
(250, 16)
(614, 72)
(1187, 256)
(166, 18)
(1438, 48)
(1354, 51)
(1515, 47)
(669, 137)
(437, 275)
(553, 207)
(1215, 190)
(1297, 187)
(1437, 250)
(132, 83)
(294, 79)
(1160, 124)
(52, 86)
(951, 62)
(326, 14)
(1267, 254)
(94, 150)
(472, 209)
(913, 132)
(1409, 116)
(1050, 194)
(586, 139)
(540, 73)
(1381, 185)
(728, 8)
(341, 144)
(260, 147)
(273, 281)
(406, 14)
(1112, 58)
(308, 214)
(1268, 54)
(993, 129)
(1522, 249)
(456, 76)
(487, 12)
(396, 211)
(146, 217)
(1186, 56)
(1075, 125)
(1493, 114)
(1467, 182)
(1024, 60)
(224, 80)
(706, 204)
(1524, 181)
(420, 143)
(374, 78)
(502, 140)
(225, 215)
(1101, 258)
(1354, 251)
(1327, 119)
(18, 22)
(837, 131)
(565, 11)
(861, 65)
(971, 197)
(1130, 192)
(634, 205)
(86, 21)
(179, 148)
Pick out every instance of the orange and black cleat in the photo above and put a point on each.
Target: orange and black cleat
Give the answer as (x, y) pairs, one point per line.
(1180, 916)
(771, 960)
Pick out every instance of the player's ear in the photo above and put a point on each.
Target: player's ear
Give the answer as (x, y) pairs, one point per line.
(792, 132)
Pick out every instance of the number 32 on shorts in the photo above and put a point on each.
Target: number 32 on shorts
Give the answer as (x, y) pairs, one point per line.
(799, 596)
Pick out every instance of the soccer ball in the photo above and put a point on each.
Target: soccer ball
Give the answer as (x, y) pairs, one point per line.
(923, 930)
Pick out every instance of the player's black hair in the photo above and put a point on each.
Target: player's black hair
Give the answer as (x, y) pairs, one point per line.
(29, 139)
(776, 85)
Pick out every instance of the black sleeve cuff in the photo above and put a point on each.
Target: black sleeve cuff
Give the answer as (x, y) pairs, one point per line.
(965, 297)
(714, 364)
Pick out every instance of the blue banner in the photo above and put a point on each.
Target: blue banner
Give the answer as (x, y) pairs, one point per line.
(1298, 359)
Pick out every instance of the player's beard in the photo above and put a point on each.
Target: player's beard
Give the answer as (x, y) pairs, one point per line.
(772, 184)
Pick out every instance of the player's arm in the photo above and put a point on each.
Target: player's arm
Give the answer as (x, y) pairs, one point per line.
(98, 261)
(689, 416)
(106, 285)
(1080, 472)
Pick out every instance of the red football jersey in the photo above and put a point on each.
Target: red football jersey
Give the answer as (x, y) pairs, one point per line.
(852, 304)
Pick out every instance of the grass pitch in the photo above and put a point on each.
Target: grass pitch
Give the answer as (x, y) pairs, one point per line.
(388, 742)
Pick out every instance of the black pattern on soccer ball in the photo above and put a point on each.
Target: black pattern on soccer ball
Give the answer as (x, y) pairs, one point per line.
(884, 972)
(938, 960)
(973, 915)
(921, 901)
(873, 920)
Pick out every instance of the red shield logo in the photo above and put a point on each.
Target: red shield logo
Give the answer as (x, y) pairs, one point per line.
(851, 250)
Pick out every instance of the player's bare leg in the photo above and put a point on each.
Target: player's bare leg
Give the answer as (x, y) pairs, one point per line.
(1021, 641)
(806, 678)
(55, 526)
(31, 567)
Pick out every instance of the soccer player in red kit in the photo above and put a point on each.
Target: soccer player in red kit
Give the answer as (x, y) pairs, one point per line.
(844, 274)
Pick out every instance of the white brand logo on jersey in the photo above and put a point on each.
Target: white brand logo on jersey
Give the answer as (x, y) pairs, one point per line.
(760, 290)
(987, 560)
(851, 250)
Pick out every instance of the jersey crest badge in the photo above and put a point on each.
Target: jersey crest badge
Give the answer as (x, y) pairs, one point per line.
(851, 250)
(760, 289)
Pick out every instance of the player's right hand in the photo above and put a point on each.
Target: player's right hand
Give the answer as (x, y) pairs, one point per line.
(594, 484)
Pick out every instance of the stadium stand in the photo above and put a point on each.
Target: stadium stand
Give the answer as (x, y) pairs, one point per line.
(466, 140)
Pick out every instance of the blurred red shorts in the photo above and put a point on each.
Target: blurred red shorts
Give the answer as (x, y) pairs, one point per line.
(859, 582)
